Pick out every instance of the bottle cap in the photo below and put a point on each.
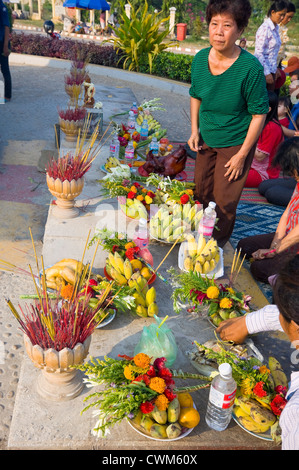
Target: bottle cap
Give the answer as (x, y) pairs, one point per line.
(225, 370)
(142, 222)
(212, 204)
(209, 210)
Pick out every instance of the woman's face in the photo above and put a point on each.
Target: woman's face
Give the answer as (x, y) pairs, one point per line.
(278, 16)
(287, 17)
(223, 32)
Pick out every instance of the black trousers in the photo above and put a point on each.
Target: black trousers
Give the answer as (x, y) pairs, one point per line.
(5, 72)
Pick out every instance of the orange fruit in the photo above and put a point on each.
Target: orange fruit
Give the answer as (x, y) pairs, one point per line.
(189, 417)
(145, 272)
(185, 400)
(136, 264)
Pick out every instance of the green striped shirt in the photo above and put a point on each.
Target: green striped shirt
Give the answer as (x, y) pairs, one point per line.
(228, 100)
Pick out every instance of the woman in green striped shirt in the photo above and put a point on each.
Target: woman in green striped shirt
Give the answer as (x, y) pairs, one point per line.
(228, 107)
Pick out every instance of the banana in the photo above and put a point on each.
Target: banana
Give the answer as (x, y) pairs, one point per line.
(150, 296)
(152, 309)
(141, 311)
(279, 377)
(252, 426)
(206, 267)
(140, 300)
(119, 278)
(128, 269)
(188, 263)
(119, 262)
(198, 267)
(207, 247)
(191, 244)
(259, 414)
(201, 243)
(201, 259)
(112, 262)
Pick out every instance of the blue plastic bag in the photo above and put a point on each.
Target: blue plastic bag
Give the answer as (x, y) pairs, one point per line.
(157, 340)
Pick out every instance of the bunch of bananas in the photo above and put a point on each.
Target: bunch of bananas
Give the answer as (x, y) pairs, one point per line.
(112, 162)
(153, 124)
(171, 222)
(124, 273)
(256, 414)
(201, 256)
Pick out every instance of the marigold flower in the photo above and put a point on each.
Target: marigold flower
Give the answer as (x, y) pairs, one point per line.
(246, 386)
(226, 303)
(140, 197)
(264, 369)
(213, 292)
(157, 384)
(67, 291)
(128, 372)
(142, 360)
(129, 245)
(161, 402)
(144, 190)
(230, 290)
(147, 199)
(134, 189)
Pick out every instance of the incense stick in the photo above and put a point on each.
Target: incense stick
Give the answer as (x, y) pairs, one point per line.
(291, 118)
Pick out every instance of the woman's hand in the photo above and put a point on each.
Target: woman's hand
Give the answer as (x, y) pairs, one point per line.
(235, 167)
(269, 79)
(263, 253)
(194, 141)
(233, 329)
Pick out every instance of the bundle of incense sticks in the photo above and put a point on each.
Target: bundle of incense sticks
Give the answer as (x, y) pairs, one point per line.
(236, 267)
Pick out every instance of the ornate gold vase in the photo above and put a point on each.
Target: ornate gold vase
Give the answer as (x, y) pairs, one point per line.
(65, 193)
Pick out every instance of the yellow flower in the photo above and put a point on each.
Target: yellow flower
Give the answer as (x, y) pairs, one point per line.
(140, 197)
(129, 245)
(157, 384)
(148, 200)
(246, 386)
(142, 360)
(161, 402)
(128, 373)
(213, 292)
(230, 290)
(135, 144)
(225, 303)
(189, 191)
(264, 370)
(133, 189)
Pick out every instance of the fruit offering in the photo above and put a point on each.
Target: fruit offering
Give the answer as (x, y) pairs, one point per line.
(201, 256)
(171, 222)
(137, 276)
(62, 273)
(171, 422)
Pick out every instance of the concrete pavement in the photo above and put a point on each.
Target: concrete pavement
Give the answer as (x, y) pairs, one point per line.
(28, 129)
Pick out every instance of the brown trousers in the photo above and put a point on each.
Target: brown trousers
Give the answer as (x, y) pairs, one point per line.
(211, 185)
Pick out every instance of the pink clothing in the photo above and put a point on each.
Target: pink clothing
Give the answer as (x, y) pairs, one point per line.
(268, 143)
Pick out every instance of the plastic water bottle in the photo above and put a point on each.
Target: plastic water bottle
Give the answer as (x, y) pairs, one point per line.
(221, 399)
(141, 237)
(114, 147)
(129, 152)
(154, 146)
(131, 122)
(207, 222)
(134, 108)
(144, 130)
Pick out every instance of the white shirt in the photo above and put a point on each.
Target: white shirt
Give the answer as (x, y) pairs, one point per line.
(267, 45)
(267, 319)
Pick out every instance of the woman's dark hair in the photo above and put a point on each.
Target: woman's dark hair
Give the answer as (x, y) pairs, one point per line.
(240, 10)
(291, 7)
(279, 5)
(273, 103)
(287, 157)
(286, 290)
(285, 100)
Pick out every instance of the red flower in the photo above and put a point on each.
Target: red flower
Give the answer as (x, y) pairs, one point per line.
(114, 248)
(130, 253)
(93, 282)
(151, 194)
(147, 407)
(131, 195)
(184, 198)
(169, 394)
(137, 185)
(143, 378)
(258, 390)
(159, 362)
(281, 390)
(151, 372)
(278, 404)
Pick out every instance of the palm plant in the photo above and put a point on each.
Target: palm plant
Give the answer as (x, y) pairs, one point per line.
(140, 38)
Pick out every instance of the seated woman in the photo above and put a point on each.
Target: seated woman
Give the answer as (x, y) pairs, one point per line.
(269, 250)
(278, 191)
(284, 316)
(261, 168)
